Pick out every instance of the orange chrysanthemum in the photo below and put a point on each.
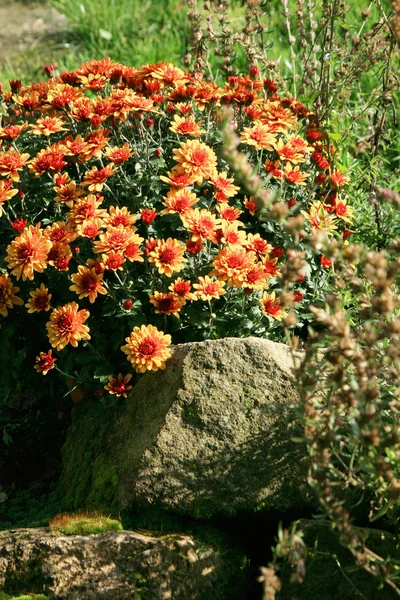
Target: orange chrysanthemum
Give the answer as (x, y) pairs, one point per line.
(7, 295)
(186, 126)
(117, 239)
(201, 223)
(259, 136)
(231, 264)
(12, 132)
(231, 235)
(60, 232)
(113, 261)
(96, 178)
(87, 208)
(40, 299)
(28, 253)
(270, 306)
(120, 216)
(119, 155)
(45, 362)
(66, 326)
(209, 289)
(196, 159)
(11, 162)
(229, 213)
(178, 179)
(167, 304)
(257, 244)
(294, 175)
(168, 256)
(256, 277)
(118, 386)
(6, 192)
(179, 201)
(182, 288)
(67, 193)
(224, 187)
(47, 126)
(147, 348)
(49, 159)
(87, 283)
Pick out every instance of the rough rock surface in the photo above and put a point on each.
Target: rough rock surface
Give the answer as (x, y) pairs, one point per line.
(330, 571)
(121, 565)
(212, 434)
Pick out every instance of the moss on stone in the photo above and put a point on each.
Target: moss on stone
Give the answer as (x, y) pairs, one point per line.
(90, 476)
(84, 524)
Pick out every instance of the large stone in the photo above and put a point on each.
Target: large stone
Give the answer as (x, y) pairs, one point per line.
(121, 565)
(212, 434)
(330, 568)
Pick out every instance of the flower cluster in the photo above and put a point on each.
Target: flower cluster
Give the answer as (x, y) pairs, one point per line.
(122, 220)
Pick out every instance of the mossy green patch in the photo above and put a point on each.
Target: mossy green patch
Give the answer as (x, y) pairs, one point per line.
(84, 524)
(23, 597)
(91, 481)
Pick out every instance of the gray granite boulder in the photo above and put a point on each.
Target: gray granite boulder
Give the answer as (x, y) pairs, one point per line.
(212, 434)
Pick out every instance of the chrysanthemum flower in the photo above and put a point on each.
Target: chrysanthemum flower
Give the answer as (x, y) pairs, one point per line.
(7, 295)
(231, 264)
(179, 201)
(277, 118)
(259, 136)
(167, 304)
(6, 192)
(60, 232)
(147, 348)
(250, 205)
(11, 162)
(120, 216)
(338, 179)
(272, 268)
(12, 132)
(196, 159)
(49, 159)
(270, 306)
(229, 213)
(96, 178)
(118, 386)
(294, 175)
(113, 261)
(87, 208)
(118, 155)
(186, 126)
(28, 253)
(89, 228)
(45, 362)
(209, 289)
(148, 215)
(182, 288)
(325, 262)
(201, 223)
(286, 152)
(178, 179)
(224, 186)
(66, 326)
(319, 218)
(117, 239)
(47, 126)
(133, 252)
(343, 211)
(169, 74)
(168, 256)
(256, 277)
(77, 147)
(87, 283)
(40, 299)
(258, 244)
(232, 236)
(19, 225)
(67, 193)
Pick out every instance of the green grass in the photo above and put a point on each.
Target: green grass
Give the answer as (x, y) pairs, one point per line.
(83, 524)
(4, 596)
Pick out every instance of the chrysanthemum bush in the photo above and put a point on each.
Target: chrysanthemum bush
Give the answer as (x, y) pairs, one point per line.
(124, 230)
